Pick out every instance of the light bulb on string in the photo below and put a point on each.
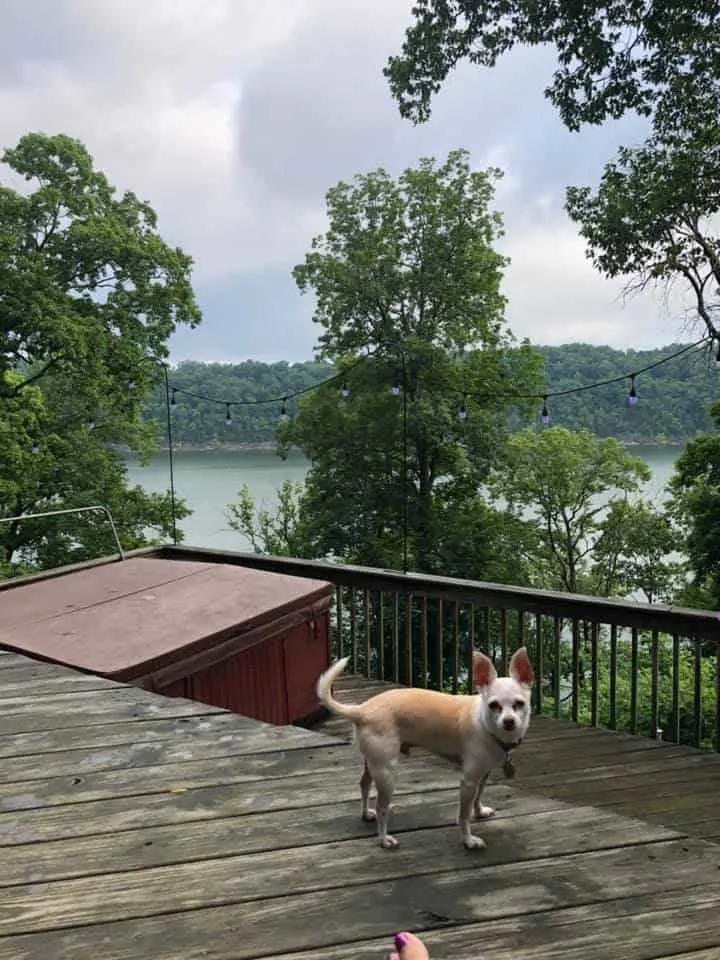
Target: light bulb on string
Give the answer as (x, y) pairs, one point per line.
(632, 396)
(283, 410)
(462, 410)
(130, 383)
(35, 447)
(545, 415)
(228, 415)
(345, 389)
(90, 423)
(395, 389)
(173, 399)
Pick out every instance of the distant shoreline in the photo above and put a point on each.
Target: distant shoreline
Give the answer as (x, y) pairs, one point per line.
(271, 446)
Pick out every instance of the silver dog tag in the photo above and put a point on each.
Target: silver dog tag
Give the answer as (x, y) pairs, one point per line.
(509, 768)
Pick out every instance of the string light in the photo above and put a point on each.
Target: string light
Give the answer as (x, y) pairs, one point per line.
(545, 416)
(91, 424)
(712, 339)
(228, 415)
(35, 447)
(130, 384)
(283, 410)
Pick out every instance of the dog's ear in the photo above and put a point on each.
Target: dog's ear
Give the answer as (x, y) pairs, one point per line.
(521, 669)
(484, 672)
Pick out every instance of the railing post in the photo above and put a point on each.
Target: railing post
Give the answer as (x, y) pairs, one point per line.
(575, 704)
(697, 694)
(654, 684)
(368, 638)
(539, 664)
(612, 687)
(633, 680)
(456, 647)
(408, 638)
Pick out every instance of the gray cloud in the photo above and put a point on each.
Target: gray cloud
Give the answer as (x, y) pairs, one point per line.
(233, 118)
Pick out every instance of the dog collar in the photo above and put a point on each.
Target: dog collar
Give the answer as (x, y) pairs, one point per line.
(507, 747)
(508, 765)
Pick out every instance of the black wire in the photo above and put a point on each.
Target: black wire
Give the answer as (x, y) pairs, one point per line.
(283, 398)
(544, 395)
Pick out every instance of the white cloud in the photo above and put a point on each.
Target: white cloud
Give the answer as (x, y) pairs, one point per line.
(233, 118)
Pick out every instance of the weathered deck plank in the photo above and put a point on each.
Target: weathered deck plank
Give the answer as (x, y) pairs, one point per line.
(133, 827)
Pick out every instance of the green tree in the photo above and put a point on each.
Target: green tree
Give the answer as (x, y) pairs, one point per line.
(632, 553)
(407, 271)
(278, 532)
(53, 460)
(611, 57)
(566, 480)
(651, 218)
(89, 295)
(87, 285)
(695, 489)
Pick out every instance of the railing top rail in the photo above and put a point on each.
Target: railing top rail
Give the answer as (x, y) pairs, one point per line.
(666, 618)
(703, 624)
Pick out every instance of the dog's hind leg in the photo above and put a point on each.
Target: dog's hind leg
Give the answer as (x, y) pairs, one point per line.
(384, 778)
(365, 783)
(480, 811)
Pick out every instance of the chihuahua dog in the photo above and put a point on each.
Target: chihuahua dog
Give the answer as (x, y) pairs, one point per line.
(474, 732)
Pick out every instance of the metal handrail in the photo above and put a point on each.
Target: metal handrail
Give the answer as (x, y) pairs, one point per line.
(98, 508)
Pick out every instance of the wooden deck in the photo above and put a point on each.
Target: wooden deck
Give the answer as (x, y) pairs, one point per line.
(137, 827)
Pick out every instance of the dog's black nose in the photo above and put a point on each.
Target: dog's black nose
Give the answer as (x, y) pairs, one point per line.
(509, 723)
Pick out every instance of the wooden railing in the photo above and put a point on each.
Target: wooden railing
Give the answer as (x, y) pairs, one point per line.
(647, 669)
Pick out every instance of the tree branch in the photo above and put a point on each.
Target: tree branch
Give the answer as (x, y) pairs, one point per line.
(9, 394)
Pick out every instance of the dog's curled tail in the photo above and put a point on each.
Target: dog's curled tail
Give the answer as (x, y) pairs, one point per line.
(325, 694)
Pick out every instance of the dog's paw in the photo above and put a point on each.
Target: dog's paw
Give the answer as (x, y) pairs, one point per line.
(389, 843)
(474, 843)
(369, 816)
(484, 813)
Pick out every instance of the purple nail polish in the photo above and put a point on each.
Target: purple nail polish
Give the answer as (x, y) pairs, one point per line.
(401, 940)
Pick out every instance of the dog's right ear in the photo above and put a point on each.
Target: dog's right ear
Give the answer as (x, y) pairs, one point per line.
(484, 673)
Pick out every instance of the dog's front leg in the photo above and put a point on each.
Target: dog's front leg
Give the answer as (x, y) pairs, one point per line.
(480, 811)
(468, 791)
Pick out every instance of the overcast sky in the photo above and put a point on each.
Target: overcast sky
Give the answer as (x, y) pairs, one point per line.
(233, 118)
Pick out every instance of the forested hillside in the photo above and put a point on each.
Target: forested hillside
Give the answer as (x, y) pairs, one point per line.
(673, 400)
(200, 423)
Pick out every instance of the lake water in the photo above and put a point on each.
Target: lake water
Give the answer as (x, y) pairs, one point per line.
(208, 481)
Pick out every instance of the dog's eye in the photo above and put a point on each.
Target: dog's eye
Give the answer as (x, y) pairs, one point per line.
(519, 705)
(494, 705)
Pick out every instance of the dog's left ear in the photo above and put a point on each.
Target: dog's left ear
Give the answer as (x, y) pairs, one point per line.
(484, 672)
(521, 669)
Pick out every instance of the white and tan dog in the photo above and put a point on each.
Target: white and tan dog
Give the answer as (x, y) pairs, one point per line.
(475, 732)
